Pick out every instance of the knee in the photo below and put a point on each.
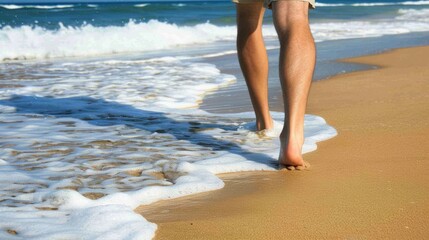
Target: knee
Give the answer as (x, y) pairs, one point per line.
(290, 18)
(293, 27)
(248, 28)
(249, 33)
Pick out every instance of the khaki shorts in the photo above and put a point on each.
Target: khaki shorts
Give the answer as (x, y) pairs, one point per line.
(267, 3)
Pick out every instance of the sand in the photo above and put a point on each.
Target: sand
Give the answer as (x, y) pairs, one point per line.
(369, 182)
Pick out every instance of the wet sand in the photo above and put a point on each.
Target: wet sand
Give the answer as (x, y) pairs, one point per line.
(369, 182)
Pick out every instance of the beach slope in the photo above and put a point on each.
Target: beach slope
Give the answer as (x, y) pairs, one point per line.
(369, 182)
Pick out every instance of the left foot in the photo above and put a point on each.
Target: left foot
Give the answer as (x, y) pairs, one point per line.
(264, 125)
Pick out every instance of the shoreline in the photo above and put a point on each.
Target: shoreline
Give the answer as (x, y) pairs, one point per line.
(368, 182)
(328, 65)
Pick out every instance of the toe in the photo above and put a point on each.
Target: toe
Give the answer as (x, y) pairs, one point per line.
(303, 167)
(291, 168)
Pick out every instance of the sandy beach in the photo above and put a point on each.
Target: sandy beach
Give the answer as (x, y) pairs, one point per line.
(369, 182)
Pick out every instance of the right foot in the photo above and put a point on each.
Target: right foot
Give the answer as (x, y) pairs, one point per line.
(290, 156)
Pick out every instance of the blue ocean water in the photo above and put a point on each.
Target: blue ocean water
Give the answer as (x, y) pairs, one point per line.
(101, 104)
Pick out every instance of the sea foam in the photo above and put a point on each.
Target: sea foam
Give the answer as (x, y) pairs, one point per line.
(28, 42)
(141, 5)
(13, 6)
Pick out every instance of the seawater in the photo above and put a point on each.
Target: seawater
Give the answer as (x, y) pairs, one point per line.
(99, 108)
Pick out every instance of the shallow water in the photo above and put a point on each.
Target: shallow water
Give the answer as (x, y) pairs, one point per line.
(86, 136)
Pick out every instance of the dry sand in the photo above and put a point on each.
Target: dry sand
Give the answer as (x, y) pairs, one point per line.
(369, 182)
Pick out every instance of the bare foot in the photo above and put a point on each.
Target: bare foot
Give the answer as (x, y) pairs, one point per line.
(290, 157)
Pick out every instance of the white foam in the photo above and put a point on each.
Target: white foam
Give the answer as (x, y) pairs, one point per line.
(414, 16)
(87, 223)
(407, 21)
(115, 130)
(416, 3)
(141, 5)
(320, 4)
(371, 4)
(27, 42)
(13, 6)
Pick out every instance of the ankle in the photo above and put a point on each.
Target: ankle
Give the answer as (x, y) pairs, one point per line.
(292, 138)
(264, 124)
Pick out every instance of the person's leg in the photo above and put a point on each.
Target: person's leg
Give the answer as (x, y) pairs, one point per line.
(296, 66)
(253, 59)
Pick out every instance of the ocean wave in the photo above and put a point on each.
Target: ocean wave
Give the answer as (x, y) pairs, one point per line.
(372, 4)
(13, 6)
(416, 3)
(413, 15)
(27, 42)
(319, 4)
(34, 42)
(141, 5)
